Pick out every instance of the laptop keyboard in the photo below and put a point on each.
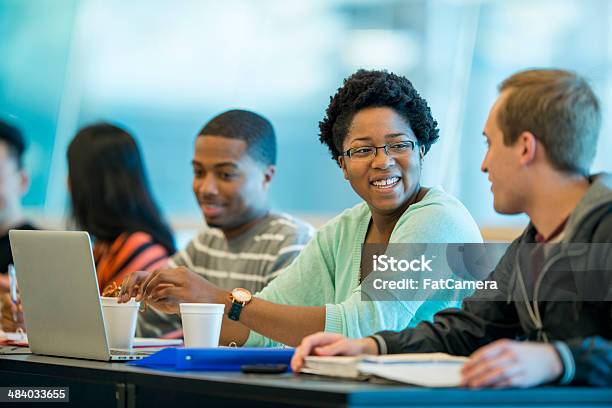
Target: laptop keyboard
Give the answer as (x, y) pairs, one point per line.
(130, 353)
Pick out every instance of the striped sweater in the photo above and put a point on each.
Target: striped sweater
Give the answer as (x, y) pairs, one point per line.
(249, 261)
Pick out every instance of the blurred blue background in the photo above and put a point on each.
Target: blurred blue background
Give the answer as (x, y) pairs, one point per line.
(163, 68)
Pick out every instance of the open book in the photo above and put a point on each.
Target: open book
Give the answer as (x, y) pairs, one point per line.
(425, 369)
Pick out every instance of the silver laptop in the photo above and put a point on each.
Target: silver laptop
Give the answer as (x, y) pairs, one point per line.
(60, 296)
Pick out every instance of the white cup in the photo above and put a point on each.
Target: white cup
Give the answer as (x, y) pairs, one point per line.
(120, 321)
(201, 323)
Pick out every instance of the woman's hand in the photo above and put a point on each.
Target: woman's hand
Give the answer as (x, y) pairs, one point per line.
(165, 289)
(131, 285)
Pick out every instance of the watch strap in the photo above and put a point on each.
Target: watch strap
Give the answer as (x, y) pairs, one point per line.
(234, 312)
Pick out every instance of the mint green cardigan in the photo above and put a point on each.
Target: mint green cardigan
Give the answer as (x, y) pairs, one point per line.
(327, 271)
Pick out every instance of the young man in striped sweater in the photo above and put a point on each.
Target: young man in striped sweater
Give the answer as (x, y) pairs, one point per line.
(245, 244)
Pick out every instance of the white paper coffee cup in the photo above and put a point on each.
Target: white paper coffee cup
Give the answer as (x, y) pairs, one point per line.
(201, 323)
(120, 321)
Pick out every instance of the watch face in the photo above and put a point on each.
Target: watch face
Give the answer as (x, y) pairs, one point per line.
(241, 295)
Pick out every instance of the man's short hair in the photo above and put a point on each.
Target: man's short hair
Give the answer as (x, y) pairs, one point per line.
(15, 141)
(254, 129)
(560, 109)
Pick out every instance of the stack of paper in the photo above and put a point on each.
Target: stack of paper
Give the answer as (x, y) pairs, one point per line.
(425, 369)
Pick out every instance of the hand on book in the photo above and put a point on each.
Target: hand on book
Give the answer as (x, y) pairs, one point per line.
(330, 344)
(508, 363)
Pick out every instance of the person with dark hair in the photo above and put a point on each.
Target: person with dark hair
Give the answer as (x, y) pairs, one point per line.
(245, 244)
(239, 199)
(551, 320)
(14, 183)
(111, 200)
(378, 129)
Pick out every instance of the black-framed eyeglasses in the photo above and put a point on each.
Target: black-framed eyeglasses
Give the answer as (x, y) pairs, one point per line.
(398, 149)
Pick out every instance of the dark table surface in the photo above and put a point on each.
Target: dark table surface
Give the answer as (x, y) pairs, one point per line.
(292, 389)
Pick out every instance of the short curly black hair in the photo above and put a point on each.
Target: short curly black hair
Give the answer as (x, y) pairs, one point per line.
(365, 89)
(254, 129)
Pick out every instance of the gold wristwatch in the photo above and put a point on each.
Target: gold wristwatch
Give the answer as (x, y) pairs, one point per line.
(239, 298)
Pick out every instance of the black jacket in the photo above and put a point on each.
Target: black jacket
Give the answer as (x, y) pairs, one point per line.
(581, 330)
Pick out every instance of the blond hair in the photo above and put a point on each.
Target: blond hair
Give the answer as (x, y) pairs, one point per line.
(560, 109)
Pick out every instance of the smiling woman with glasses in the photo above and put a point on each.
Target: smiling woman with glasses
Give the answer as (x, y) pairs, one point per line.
(378, 130)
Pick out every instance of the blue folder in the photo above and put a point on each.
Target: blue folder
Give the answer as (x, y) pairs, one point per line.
(213, 359)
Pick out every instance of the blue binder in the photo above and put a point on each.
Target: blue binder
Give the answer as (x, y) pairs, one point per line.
(213, 359)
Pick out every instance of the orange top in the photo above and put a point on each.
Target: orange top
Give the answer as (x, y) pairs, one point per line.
(130, 252)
